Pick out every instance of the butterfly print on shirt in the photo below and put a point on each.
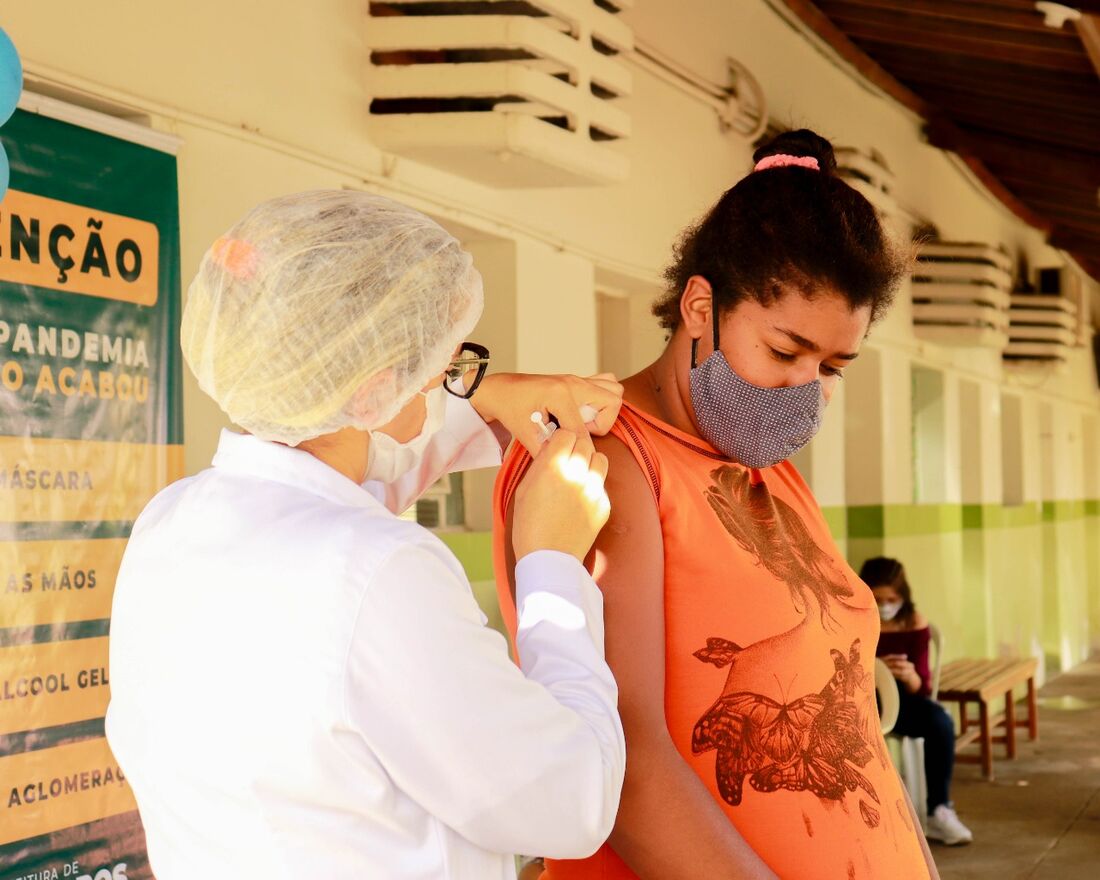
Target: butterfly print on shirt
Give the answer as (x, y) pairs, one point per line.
(814, 743)
(773, 532)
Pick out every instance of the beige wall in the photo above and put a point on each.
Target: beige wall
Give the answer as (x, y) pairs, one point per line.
(269, 98)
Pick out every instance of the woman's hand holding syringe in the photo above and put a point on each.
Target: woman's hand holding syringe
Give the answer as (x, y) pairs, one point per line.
(581, 406)
(561, 504)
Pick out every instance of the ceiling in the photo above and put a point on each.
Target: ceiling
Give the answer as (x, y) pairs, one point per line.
(1017, 99)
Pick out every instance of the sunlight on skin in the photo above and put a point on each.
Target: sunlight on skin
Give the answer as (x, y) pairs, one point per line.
(594, 490)
(575, 470)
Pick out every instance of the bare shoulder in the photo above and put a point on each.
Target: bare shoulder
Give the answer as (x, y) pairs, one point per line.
(627, 563)
(919, 620)
(628, 487)
(623, 467)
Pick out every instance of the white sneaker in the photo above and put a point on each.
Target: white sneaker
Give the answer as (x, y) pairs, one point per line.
(944, 826)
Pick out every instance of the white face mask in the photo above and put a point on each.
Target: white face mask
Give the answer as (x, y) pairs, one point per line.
(387, 459)
(889, 610)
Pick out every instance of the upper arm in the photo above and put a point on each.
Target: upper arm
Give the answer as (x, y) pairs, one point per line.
(627, 562)
(668, 823)
(432, 692)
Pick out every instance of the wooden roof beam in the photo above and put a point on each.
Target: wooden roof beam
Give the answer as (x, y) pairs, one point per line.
(1080, 192)
(1004, 95)
(948, 132)
(1075, 242)
(1039, 128)
(946, 10)
(996, 77)
(1019, 158)
(1083, 230)
(1088, 29)
(1086, 5)
(1071, 58)
(1078, 197)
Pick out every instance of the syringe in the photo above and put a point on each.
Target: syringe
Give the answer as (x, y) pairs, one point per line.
(588, 413)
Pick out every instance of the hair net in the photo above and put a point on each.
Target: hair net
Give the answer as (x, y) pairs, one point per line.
(326, 309)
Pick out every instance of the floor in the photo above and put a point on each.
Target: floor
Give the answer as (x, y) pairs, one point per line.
(1040, 818)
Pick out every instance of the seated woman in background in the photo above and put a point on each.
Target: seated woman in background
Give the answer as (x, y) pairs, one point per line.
(903, 646)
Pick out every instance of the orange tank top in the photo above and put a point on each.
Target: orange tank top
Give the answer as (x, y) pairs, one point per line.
(769, 651)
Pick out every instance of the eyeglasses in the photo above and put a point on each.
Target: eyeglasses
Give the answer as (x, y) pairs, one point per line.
(472, 357)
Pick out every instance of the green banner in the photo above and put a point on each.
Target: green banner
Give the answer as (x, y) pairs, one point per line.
(90, 430)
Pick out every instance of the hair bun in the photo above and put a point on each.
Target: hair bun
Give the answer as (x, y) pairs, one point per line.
(802, 142)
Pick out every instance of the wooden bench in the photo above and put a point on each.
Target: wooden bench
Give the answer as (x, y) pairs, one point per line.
(983, 681)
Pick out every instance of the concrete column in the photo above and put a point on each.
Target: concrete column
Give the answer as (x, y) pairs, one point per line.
(1090, 490)
(928, 412)
(496, 259)
(864, 406)
(822, 463)
(976, 429)
(647, 337)
(614, 320)
(955, 424)
(1066, 533)
(1032, 449)
(897, 429)
(990, 461)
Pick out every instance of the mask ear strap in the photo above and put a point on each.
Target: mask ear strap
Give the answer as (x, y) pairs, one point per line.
(695, 342)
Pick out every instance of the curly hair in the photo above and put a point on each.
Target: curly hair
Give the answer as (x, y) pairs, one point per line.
(783, 228)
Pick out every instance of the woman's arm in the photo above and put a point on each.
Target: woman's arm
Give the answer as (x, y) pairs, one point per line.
(476, 431)
(903, 671)
(669, 826)
(514, 761)
(529, 761)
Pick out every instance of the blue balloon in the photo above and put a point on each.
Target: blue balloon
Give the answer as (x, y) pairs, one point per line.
(5, 172)
(11, 77)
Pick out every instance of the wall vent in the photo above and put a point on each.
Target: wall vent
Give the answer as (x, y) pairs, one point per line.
(961, 294)
(1044, 327)
(511, 93)
(441, 506)
(865, 170)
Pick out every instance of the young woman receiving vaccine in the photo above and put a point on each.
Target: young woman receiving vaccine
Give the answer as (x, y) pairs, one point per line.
(741, 640)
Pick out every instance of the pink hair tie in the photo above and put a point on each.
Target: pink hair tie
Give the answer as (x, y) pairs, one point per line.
(239, 258)
(783, 160)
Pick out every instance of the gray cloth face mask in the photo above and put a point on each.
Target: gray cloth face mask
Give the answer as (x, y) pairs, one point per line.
(755, 426)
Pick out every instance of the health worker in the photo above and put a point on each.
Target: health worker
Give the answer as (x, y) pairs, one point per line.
(302, 681)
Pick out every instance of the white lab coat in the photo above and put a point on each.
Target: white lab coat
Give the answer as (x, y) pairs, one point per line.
(303, 684)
